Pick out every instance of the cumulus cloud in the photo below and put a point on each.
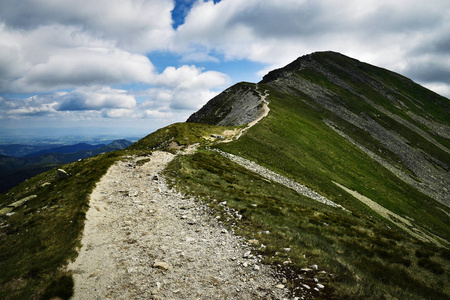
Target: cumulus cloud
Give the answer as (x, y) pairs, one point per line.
(96, 99)
(185, 88)
(86, 66)
(135, 25)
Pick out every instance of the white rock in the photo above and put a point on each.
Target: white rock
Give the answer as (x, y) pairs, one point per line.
(306, 286)
(320, 286)
(161, 265)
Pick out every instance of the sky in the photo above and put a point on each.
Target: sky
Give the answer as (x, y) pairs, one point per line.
(133, 66)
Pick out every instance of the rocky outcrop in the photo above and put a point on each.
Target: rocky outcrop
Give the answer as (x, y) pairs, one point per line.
(238, 105)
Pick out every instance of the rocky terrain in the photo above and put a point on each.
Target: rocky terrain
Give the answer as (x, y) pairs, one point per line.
(144, 241)
(238, 105)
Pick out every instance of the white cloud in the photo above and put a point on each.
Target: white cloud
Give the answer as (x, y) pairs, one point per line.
(191, 77)
(135, 25)
(185, 88)
(87, 66)
(117, 113)
(96, 99)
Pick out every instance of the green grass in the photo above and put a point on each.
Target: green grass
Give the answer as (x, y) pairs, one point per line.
(178, 135)
(44, 235)
(310, 152)
(354, 247)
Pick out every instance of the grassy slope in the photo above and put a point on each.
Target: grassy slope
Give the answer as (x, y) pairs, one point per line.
(43, 235)
(371, 260)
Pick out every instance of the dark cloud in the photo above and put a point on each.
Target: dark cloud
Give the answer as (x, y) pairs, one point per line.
(429, 72)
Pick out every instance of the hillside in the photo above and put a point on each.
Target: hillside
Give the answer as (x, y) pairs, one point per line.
(333, 171)
(14, 170)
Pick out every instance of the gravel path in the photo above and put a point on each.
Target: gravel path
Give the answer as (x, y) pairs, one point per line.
(143, 241)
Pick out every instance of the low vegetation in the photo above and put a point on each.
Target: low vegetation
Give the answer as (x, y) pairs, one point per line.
(364, 256)
(41, 237)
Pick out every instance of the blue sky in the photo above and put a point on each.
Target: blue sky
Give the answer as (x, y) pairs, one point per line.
(138, 65)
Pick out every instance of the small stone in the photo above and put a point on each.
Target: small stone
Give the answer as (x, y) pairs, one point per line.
(224, 231)
(287, 249)
(246, 254)
(253, 242)
(280, 286)
(305, 270)
(316, 289)
(316, 280)
(284, 280)
(320, 286)
(245, 264)
(256, 267)
(306, 286)
(161, 265)
(61, 174)
(314, 267)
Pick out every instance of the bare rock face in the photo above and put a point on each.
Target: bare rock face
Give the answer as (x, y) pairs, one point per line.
(238, 105)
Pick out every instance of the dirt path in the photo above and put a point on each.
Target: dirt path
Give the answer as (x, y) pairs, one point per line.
(143, 241)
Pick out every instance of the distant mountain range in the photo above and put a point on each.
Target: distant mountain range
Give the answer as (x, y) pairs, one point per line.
(20, 162)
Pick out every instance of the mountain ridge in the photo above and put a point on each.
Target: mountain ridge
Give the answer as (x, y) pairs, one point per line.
(344, 130)
(393, 110)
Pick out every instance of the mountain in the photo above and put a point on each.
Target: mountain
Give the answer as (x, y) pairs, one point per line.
(336, 171)
(19, 150)
(66, 149)
(14, 170)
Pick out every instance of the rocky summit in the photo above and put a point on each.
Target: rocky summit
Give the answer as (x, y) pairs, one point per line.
(328, 179)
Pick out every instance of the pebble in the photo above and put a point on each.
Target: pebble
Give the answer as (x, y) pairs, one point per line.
(161, 265)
